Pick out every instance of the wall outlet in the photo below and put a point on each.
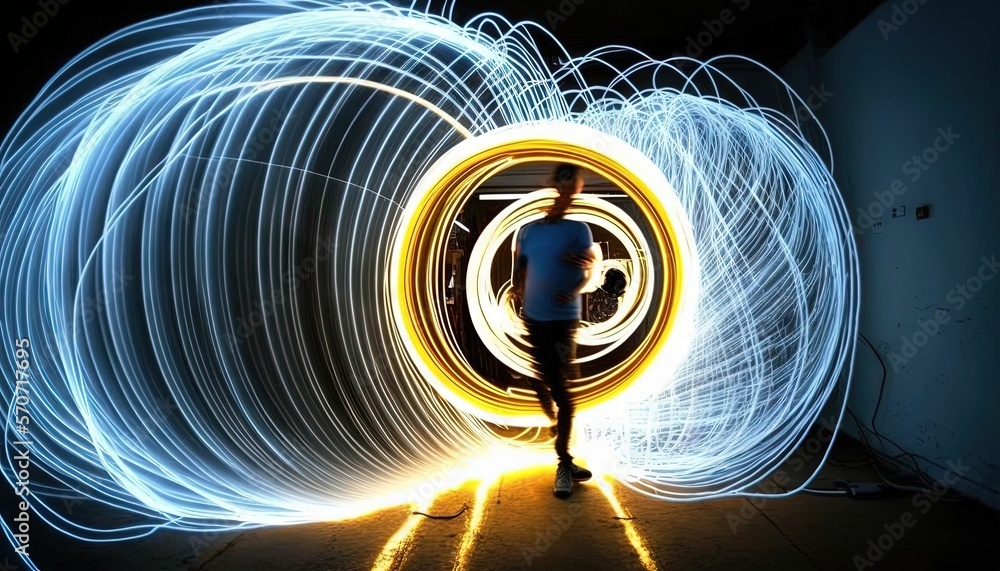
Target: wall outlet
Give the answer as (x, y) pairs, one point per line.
(877, 226)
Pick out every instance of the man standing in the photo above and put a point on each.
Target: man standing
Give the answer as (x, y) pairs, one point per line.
(552, 258)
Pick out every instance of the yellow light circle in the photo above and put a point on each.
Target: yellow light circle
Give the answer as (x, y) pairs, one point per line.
(417, 263)
(493, 313)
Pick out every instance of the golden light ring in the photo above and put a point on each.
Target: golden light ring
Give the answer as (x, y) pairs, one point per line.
(418, 257)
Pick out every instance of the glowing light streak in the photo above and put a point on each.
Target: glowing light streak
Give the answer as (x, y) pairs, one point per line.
(289, 81)
(396, 550)
(512, 197)
(475, 522)
(201, 215)
(631, 533)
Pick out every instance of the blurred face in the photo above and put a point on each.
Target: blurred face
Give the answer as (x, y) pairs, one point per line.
(571, 188)
(567, 190)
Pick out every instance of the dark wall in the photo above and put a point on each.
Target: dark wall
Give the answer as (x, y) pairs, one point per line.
(913, 119)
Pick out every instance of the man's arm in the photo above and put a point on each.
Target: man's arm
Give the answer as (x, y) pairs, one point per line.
(520, 270)
(567, 297)
(585, 254)
(585, 260)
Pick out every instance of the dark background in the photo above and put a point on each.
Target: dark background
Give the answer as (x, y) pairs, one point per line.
(770, 31)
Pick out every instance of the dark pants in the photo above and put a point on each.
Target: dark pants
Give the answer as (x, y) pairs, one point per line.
(554, 350)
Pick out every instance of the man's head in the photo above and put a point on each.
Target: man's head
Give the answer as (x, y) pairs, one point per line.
(568, 180)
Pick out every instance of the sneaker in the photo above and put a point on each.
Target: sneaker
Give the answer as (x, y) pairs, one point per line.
(580, 474)
(564, 481)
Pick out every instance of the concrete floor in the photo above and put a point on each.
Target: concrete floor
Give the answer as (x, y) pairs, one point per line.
(524, 527)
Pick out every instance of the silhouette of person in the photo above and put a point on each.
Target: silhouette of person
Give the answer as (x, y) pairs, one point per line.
(552, 258)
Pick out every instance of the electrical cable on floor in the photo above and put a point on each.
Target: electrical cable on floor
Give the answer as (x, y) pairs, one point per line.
(867, 489)
(460, 512)
(879, 457)
(628, 517)
(881, 388)
(895, 461)
(822, 492)
(875, 457)
(874, 430)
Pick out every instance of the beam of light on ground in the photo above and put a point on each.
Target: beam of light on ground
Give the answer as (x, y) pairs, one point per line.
(395, 551)
(475, 523)
(631, 533)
